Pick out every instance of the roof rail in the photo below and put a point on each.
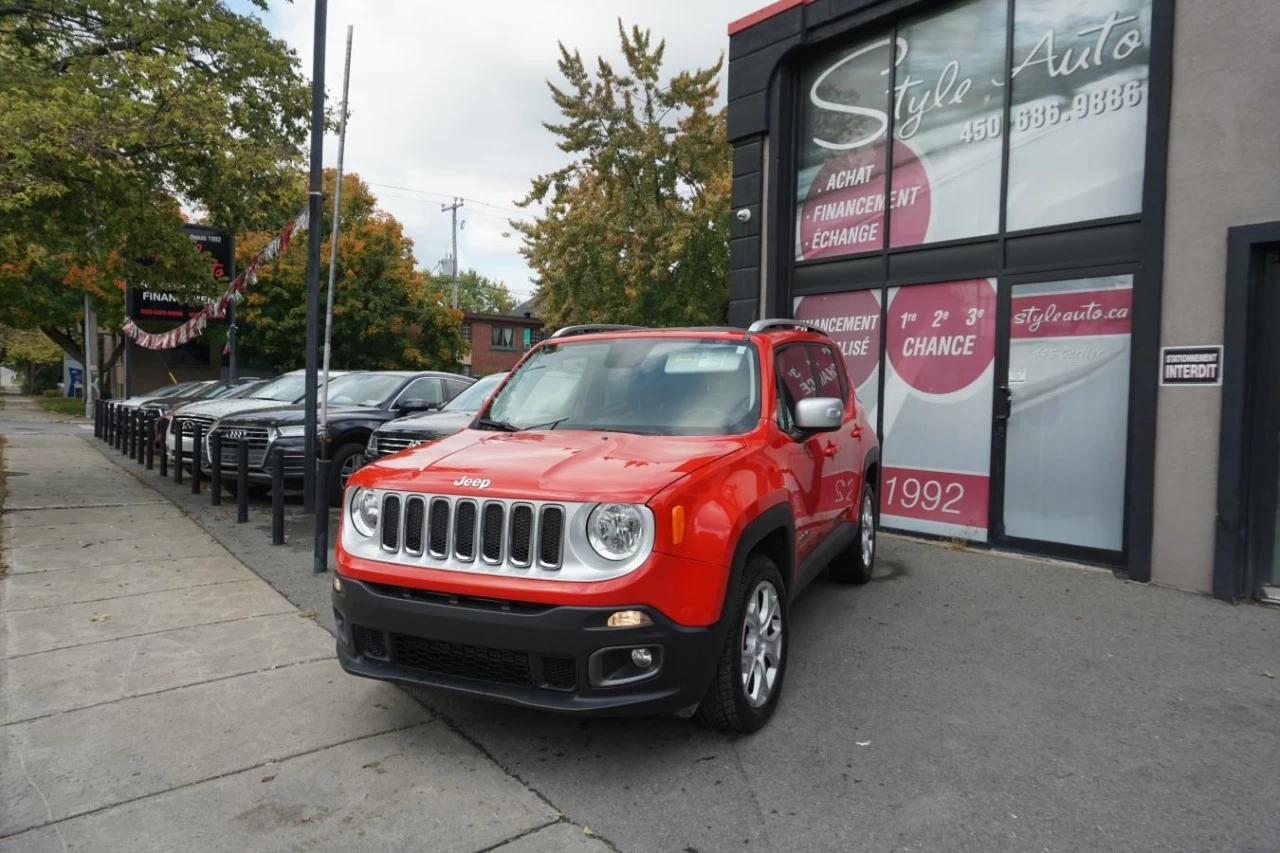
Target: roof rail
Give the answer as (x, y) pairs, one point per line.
(593, 328)
(767, 325)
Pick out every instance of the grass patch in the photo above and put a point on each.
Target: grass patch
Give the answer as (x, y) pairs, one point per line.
(61, 405)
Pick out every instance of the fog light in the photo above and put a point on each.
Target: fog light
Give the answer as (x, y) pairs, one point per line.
(337, 583)
(628, 619)
(642, 658)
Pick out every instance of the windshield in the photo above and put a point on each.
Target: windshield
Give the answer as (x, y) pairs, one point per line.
(473, 398)
(170, 390)
(212, 392)
(363, 389)
(286, 389)
(651, 386)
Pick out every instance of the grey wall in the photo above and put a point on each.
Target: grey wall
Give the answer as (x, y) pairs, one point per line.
(1224, 170)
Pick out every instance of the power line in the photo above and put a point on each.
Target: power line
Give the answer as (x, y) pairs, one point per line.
(504, 218)
(450, 196)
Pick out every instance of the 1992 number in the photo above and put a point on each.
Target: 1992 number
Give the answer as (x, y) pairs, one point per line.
(928, 495)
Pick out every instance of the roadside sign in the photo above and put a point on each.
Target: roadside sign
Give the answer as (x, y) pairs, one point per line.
(1200, 365)
(161, 306)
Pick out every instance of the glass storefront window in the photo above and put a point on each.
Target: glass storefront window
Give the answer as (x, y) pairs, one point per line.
(948, 116)
(940, 346)
(1069, 389)
(1077, 143)
(843, 143)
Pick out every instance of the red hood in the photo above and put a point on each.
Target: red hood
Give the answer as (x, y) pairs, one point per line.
(567, 466)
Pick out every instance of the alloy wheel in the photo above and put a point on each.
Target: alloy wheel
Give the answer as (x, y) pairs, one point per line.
(761, 644)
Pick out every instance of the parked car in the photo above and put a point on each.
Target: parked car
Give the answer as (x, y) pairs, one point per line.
(620, 530)
(213, 390)
(162, 393)
(283, 390)
(225, 390)
(358, 404)
(406, 432)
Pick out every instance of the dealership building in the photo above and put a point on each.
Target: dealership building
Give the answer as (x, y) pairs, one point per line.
(1046, 236)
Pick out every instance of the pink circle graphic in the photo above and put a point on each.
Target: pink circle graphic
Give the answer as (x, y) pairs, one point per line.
(942, 336)
(843, 212)
(852, 321)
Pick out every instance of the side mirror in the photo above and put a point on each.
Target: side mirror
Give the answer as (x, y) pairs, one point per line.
(819, 414)
(417, 405)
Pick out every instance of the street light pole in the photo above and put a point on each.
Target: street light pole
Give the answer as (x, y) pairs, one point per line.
(309, 485)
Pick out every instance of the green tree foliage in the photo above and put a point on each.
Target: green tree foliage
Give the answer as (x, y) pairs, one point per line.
(636, 228)
(116, 115)
(385, 315)
(29, 353)
(476, 293)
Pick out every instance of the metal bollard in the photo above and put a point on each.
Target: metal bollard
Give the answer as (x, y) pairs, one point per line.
(144, 436)
(110, 425)
(152, 438)
(197, 446)
(164, 460)
(105, 432)
(277, 497)
(117, 429)
(129, 435)
(320, 554)
(178, 455)
(242, 481)
(215, 472)
(97, 420)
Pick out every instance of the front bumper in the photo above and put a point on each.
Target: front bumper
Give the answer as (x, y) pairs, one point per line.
(554, 658)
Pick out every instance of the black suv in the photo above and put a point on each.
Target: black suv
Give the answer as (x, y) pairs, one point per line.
(358, 403)
(456, 415)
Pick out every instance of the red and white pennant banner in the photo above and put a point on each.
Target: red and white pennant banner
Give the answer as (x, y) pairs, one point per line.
(217, 308)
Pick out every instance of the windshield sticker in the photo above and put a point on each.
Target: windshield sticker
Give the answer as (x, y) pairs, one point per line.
(704, 360)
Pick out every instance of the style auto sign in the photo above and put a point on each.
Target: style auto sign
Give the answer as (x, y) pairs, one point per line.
(159, 305)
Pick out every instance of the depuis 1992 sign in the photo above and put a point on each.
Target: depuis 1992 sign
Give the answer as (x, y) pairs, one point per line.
(161, 306)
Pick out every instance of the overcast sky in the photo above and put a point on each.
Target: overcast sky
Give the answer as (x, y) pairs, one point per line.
(447, 98)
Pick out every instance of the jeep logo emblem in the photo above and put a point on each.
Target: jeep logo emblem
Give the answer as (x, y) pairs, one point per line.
(473, 483)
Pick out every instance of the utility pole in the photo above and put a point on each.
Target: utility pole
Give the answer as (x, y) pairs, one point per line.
(453, 209)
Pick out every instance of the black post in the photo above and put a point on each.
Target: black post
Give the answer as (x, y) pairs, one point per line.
(164, 457)
(242, 481)
(178, 455)
(215, 473)
(144, 435)
(116, 431)
(106, 421)
(130, 434)
(97, 410)
(152, 437)
(309, 490)
(197, 438)
(122, 429)
(320, 554)
(277, 497)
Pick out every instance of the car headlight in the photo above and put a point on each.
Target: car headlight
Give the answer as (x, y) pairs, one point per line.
(615, 531)
(365, 509)
(291, 431)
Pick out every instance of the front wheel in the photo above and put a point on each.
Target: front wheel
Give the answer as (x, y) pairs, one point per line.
(345, 462)
(855, 564)
(748, 680)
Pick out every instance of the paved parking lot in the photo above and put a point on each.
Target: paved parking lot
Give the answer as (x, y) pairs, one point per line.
(963, 701)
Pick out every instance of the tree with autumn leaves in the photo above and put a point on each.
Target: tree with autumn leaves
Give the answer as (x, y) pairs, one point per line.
(636, 228)
(386, 315)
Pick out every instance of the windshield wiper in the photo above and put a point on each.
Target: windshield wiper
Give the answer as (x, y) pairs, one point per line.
(547, 425)
(498, 426)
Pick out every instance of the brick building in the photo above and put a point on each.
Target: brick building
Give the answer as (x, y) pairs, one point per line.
(498, 340)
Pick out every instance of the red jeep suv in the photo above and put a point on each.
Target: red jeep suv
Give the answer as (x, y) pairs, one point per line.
(620, 530)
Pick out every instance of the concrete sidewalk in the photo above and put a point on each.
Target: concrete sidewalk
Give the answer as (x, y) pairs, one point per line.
(156, 695)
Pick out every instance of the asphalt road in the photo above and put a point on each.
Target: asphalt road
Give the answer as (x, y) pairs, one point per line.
(962, 701)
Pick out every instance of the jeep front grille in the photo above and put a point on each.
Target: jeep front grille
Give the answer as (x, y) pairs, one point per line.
(495, 532)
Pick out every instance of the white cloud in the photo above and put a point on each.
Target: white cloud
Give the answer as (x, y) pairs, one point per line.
(450, 98)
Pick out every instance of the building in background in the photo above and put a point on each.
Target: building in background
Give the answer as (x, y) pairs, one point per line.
(1032, 227)
(498, 341)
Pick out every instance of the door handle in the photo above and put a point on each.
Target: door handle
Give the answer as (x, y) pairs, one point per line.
(829, 449)
(1004, 403)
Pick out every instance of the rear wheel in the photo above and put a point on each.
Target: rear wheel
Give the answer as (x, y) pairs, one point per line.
(753, 662)
(855, 563)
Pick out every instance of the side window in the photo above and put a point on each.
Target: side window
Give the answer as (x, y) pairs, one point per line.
(454, 387)
(795, 375)
(426, 388)
(830, 380)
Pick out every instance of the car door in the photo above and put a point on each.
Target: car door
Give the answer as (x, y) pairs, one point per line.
(842, 473)
(804, 457)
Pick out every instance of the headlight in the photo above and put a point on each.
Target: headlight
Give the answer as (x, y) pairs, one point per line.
(615, 531)
(291, 431)
(364, 511)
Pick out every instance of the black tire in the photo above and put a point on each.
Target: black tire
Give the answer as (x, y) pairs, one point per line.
(727, 705)
(853, 566)
(342, 456)
(256, 490)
